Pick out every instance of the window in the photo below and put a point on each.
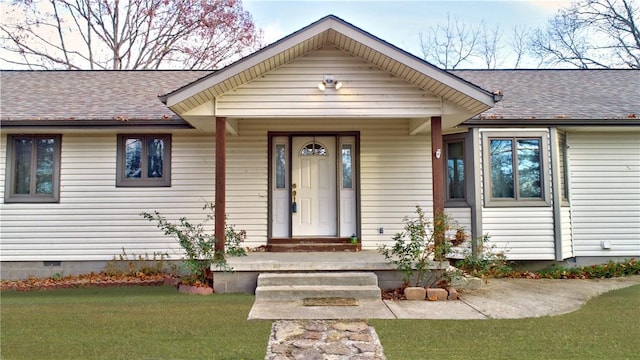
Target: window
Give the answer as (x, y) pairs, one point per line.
(347, 166)
(144, 160)
(514, 169)
(458, 161)
(281, 166)
(455, 170)
(313, 149)
(33, 168)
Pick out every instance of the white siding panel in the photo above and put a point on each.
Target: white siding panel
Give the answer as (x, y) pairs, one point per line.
(567, 238)
(605, 192)
(291, 91)
(521, 233)
(95, 220)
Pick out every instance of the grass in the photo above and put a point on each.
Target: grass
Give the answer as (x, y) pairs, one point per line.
(129, 323)
(607, 327)
(159, 323)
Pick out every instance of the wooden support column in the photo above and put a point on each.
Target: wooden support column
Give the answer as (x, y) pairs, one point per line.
(437, 165)
(437, 171)
(220, 199)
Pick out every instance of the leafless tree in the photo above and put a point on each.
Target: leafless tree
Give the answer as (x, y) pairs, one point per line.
(127, 34)
(489, 45)
(451, 44)
(519, 44)
(592, 34)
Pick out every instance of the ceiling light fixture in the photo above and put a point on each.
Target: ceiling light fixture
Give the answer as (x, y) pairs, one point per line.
(329, 82)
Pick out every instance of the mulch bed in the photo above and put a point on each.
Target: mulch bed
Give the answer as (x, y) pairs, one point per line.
(82, 281)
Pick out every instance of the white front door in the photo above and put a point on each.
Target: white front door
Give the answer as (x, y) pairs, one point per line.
(313, 181)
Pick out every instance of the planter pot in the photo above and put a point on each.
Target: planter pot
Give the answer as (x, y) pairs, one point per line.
(198, 290)
(415, 293)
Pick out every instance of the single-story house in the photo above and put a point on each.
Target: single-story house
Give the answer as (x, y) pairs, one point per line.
(328, 133)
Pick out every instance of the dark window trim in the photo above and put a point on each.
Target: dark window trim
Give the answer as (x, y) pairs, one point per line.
(465, 138)
(164, 181)
(10, 174)
(489, 201)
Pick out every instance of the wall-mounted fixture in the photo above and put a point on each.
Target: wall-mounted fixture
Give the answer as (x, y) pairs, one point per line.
(329, 82)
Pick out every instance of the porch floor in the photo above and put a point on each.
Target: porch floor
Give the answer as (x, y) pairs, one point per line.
(369, 260)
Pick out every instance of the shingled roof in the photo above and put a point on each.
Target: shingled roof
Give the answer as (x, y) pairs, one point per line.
(99, 96)
(560, 94)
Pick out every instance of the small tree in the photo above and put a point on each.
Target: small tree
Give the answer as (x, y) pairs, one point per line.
(420, 243)
(199, 245)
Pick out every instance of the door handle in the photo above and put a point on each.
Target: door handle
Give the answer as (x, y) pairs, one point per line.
(294, 206)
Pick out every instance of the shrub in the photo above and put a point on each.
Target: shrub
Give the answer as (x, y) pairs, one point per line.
(136, 265)
(485, 261)
(417, 246)
(199, 245)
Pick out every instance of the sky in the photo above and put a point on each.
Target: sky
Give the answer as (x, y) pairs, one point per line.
(399, 22)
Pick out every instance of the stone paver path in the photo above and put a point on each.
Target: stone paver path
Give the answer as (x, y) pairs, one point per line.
(323, 340)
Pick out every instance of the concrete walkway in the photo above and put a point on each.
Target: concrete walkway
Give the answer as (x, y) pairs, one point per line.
(496, 299)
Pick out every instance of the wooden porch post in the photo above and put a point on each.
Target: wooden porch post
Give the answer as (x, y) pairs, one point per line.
(220, 200)
(437, 170)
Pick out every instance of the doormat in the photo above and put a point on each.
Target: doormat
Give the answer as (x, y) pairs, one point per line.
(330, 301)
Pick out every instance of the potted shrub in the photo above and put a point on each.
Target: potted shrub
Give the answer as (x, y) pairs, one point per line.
(415, 250)
(199, 249)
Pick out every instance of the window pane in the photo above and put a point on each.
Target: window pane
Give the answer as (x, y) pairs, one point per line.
(501, 155)
(455, 170)
(23, 166)
(133, 158)
(529, 180)
(347, 172)
(155, 151)
(281, 163)
(44, 166)
(313, 149)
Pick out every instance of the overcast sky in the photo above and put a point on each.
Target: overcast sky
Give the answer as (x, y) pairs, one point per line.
(398, 22)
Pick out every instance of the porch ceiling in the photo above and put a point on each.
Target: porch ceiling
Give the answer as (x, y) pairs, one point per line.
(332, 31)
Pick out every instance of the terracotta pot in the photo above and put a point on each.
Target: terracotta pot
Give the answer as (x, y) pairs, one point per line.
(415, 293)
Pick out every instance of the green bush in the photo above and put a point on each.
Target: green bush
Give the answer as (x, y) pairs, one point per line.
(199, 245)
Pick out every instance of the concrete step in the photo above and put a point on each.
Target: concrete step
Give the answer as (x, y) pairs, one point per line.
(315, 247)
(295, 286)
(318, 278)
(296, 292)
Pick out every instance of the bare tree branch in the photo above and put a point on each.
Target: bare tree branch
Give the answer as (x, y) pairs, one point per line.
(132, 34)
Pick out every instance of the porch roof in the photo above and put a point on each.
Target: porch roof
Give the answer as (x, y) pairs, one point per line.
(334, 31)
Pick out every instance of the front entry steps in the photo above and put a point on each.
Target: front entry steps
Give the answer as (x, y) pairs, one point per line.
(313, 245)
(297, 286)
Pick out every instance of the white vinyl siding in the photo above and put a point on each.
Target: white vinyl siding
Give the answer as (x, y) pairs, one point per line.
(95, 219)
(565, 229)
(522, 233)
(605, 192)
(292, 91)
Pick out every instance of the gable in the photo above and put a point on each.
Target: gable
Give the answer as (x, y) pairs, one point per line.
(331, 32)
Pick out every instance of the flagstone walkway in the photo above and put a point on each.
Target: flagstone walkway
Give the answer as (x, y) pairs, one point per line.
(323, 340)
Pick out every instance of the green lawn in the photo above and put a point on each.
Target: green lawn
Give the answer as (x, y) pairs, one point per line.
(129, 323)
(159, 323)
(607, 327)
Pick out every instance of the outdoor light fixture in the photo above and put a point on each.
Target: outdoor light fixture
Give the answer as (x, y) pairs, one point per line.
(329, 82)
